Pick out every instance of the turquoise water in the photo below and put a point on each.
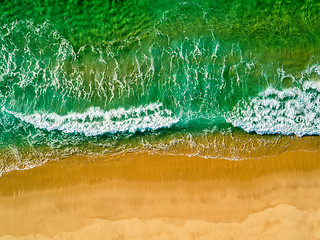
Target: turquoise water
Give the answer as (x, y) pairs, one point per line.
(215, 79)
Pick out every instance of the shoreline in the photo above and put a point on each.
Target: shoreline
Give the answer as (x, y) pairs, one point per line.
(150, 196)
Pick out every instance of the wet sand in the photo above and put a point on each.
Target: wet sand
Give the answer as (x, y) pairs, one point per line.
(151, 196)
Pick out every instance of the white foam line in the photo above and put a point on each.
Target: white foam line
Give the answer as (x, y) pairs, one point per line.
(96, 121)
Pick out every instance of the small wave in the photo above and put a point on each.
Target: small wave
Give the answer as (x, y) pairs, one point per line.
(289, 111)
(96, 121)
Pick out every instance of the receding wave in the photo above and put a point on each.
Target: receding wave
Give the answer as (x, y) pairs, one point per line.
(96, 121)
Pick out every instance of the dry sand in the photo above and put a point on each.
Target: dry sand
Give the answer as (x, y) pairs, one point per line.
(151, 196)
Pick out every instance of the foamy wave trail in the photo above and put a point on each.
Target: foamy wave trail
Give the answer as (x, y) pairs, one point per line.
(289, 111)
(96, 121)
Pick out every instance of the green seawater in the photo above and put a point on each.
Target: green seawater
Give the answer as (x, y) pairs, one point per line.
(226, 79)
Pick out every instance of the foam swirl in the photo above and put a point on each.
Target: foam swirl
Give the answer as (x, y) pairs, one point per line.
(289, 111)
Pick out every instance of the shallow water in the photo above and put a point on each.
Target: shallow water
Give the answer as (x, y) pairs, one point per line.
(233, 79)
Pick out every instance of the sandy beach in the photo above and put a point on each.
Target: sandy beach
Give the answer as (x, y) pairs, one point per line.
(146, 195)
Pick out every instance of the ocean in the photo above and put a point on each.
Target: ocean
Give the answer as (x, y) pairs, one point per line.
(217, 79)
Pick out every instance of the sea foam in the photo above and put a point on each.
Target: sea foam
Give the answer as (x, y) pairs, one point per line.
(95, 121)
(288, 111)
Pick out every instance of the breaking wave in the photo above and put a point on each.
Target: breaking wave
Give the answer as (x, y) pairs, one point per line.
(289, 111)
(96, 121)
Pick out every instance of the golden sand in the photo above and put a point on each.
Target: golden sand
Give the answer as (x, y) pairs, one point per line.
(152, 196)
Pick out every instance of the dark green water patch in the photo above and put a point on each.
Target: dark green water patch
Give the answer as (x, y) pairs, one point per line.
(273, 23)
